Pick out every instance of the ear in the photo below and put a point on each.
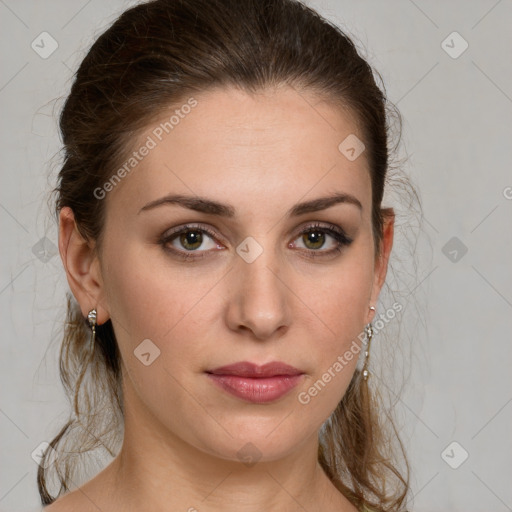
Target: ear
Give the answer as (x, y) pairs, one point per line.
(381, 263)
(82, 267)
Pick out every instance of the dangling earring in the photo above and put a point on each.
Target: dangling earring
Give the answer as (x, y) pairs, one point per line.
(369, 335)
(91, 318)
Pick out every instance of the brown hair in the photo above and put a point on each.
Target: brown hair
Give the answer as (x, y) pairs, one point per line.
(154, 55)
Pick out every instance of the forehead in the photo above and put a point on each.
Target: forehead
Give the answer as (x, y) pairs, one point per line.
(276, 146)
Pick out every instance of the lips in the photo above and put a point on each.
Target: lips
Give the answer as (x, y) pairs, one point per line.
(254, 383)
(246, 369)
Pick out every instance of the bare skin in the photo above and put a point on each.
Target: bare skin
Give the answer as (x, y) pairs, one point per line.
(262, 154)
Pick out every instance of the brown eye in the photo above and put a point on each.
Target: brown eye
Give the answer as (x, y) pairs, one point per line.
(190, 242)
(315, 238)
(191, 239)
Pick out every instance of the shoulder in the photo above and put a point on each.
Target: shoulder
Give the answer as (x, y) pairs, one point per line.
(61, 505)
(93, 495)
(72, 502)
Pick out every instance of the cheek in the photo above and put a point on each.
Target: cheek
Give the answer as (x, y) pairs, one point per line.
(340, 305)
(340, 298)
(150, 308)
(145, 298)
(167, 304)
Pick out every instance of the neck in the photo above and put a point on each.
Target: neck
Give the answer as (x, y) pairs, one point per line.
(155, 470)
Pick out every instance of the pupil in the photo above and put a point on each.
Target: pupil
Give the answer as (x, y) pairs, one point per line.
(316, 238)
(190, 238)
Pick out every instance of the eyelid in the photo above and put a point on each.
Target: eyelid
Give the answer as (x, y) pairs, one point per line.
(341, 239)
(326, 226)
(190, 256)
(339, 235)
(303, 228)
(189, 227)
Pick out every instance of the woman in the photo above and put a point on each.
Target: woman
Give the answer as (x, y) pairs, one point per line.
(223, 236)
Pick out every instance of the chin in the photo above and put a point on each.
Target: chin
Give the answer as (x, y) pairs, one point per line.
(254, 440)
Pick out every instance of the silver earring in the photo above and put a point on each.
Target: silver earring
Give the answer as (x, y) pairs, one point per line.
(91, 318)
(369, 335)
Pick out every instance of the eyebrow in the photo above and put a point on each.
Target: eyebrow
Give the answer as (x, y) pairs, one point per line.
(208, 206)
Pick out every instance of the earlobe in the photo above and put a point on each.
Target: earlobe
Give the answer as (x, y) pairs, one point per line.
(82, 266)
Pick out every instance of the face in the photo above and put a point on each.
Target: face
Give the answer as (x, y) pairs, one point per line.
(255, 280)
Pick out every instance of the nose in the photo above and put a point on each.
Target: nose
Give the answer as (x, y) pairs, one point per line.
(259, 298)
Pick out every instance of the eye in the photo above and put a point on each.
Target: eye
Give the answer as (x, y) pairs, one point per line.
(194, 241)
(316, 236)
(189, 239)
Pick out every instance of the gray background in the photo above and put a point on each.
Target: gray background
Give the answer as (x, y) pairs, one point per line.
(457, 130)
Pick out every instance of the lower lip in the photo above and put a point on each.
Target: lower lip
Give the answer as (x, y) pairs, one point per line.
(256, 390)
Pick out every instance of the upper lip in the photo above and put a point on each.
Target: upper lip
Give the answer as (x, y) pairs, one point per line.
(248, 369)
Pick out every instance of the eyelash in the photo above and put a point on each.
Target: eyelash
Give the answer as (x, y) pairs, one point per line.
(332, 230)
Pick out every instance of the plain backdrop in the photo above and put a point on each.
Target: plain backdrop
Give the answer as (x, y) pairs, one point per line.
(447, 66)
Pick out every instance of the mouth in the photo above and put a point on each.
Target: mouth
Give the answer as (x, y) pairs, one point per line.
(254, 383)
